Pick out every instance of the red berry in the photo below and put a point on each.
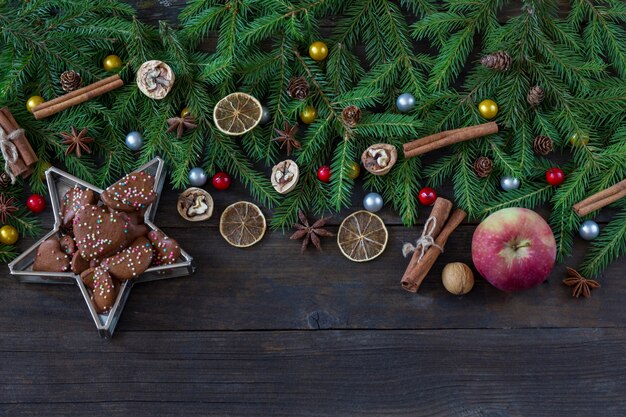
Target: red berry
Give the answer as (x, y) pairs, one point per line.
(36, 203)
(221, 181)
(555, 176)
(427, 196)
(323, 173)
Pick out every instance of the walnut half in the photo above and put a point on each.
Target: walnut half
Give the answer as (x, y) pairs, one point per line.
(285, 176)
(378, 159)
(155, 79)
(195, 204)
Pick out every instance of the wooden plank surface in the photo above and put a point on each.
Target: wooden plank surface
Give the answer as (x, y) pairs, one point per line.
(401, 373)
(267, 331)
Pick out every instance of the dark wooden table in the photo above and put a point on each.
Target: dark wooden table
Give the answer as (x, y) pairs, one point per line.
(267, 331)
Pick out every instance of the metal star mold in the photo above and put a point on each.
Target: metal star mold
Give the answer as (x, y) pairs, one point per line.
(59, 182)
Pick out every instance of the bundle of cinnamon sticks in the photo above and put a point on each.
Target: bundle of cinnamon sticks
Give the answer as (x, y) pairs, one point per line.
(78, 96)
(424, 258)
(601, 199)
(446, 138)
(16, 144)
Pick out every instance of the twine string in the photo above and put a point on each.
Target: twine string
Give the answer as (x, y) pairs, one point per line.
(9, 150)
(424, 242)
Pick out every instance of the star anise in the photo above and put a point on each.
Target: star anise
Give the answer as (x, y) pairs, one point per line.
(310, 233)
(180, 124)
(76, 142)
(287, 137)
(580, 285)
(7, 207)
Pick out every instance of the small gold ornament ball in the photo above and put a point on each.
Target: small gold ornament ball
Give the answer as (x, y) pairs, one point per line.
(579, 139)
(43, 167)
(33, 102)
(488, 109)
(318, 51)
(111, 63)
(185, 112)
(8, 235)
(354, 170)
(458, 278)
(308, 115)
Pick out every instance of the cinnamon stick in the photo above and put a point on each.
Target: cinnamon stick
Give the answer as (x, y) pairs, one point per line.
(415, 273)
(427, 144)
(431, 138)
(76, 97)
(21, 143)
(601, 199)
(18, 167)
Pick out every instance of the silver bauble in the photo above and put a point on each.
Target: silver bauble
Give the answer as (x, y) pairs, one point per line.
(405, 102)
(266, 116)
(134, 140)
(509, 183)
(589, 230)
(373, 202)
(197, 177)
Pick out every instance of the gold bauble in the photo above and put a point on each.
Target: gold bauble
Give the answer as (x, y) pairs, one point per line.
(579, 139)
(308, 115)
(8, 235)
(185, 112)
(112, 62)
(43, 167)
(33, 102)
(458, 278)
(318, 51)
(488, 109)
(354, 170)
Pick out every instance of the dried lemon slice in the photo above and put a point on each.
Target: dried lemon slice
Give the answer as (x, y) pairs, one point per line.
(362, 236)
(242, 224)
(237, 113)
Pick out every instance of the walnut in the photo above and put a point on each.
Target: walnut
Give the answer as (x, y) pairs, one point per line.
(378, 159)
(155, 79)
(285, 176)
(195, 204)
(458, 278)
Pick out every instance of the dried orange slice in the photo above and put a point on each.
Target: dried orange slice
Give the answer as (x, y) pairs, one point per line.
(362, 236)
(242, 224)
(237, 113)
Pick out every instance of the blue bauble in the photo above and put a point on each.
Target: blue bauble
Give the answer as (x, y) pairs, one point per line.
(134, 140)
(265, 115)
(197, 177)
(373, 202)
(509, 183)
(589, 230)
(405, 102)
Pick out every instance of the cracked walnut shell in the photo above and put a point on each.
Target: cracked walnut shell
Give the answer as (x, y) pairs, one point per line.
(195, 205)
(378, 159)
(285, 176)
(155, 79)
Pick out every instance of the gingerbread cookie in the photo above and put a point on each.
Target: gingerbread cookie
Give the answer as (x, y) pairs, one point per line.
(50, 257)
(131, 262)
(73, 200)
(103, 291)
(99, 232)
(166, 250)
(78, 264)
(68, 245)
(133, 192)
(134, 226)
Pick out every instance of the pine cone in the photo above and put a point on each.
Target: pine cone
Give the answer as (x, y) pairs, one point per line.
(351, 115)
(5, 180)
(70, 81)
(500, 61)
(298, 88)
(535, 96)
(542, 145)
(483, 167)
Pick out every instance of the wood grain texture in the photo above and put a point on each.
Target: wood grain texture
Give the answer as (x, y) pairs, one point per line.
(236, 338)
(402, 373)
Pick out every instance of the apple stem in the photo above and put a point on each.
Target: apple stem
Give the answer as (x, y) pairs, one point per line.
(523, 245)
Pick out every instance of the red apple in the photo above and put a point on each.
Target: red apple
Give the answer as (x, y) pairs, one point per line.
(514, 249)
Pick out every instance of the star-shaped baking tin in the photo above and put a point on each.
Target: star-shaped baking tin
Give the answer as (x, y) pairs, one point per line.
(59, 182)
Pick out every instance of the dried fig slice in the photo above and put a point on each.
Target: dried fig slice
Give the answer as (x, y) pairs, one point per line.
(195, 204)
(285, 176)
(379, 158)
